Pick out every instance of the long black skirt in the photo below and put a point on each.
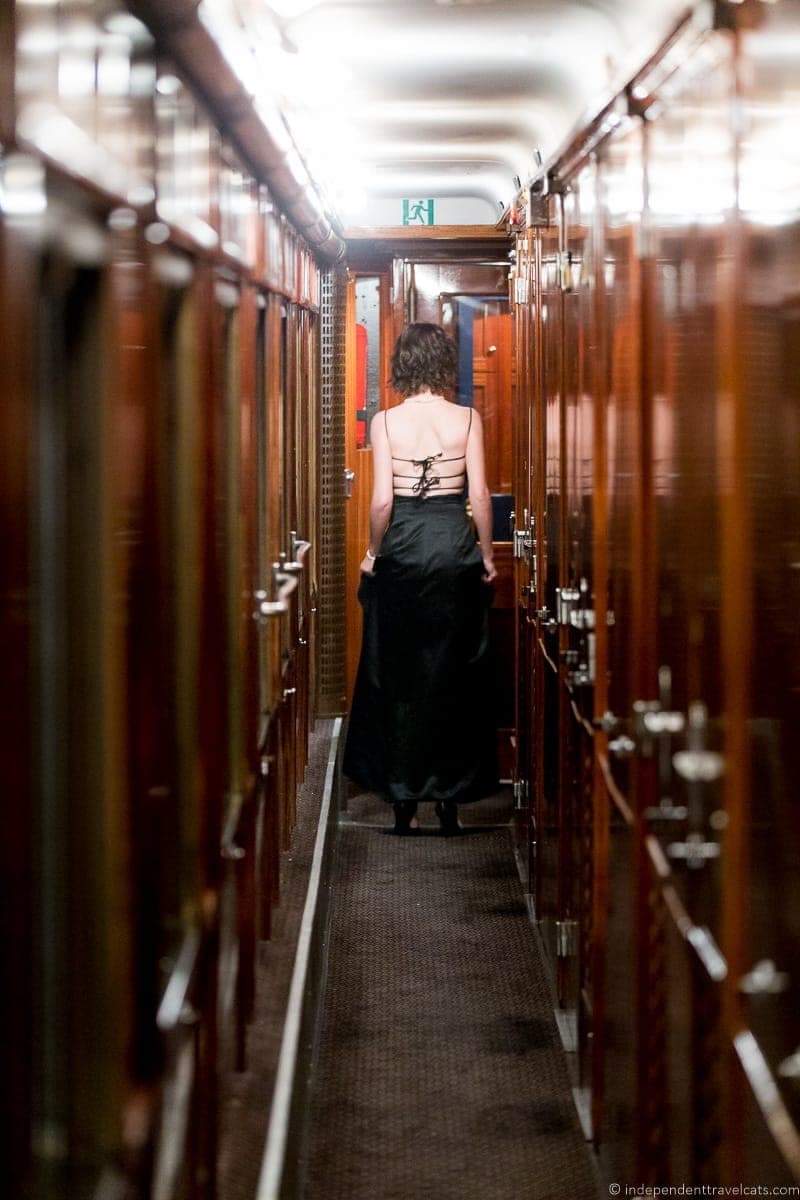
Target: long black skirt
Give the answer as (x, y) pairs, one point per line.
(421, 723)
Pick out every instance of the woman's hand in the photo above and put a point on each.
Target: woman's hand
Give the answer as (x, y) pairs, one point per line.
(489, 569)
(367, 565)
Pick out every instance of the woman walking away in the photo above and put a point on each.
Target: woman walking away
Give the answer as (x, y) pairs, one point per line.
(421, 726)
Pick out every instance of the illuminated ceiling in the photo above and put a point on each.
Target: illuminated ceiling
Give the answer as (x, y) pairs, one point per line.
(442, 98)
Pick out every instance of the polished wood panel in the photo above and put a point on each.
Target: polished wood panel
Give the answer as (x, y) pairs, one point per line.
(493, 393)
(159, 732)
(18, 434)
(159, 440)
(662, 466)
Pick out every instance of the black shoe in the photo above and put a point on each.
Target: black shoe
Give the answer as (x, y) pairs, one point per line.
(447, 812)
(404, 813)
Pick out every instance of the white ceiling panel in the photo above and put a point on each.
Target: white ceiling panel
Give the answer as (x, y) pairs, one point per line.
(442, 98)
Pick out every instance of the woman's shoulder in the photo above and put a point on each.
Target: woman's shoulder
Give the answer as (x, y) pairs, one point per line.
(377, 425)
(458, 415)
(473, 419)
(448, 415)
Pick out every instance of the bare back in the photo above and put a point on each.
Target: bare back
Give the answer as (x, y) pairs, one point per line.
(424, 448)
(428, 446)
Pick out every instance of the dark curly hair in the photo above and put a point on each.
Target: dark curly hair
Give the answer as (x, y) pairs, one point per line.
(424, 357)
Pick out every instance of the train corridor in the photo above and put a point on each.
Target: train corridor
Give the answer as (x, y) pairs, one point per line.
(217, 219)
(441, 1072)
(437, 1068)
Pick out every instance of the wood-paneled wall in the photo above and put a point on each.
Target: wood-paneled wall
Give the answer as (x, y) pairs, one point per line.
(657, 479)
(159, 343)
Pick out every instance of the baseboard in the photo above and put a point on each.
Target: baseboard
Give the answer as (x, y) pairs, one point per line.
(282, 1166)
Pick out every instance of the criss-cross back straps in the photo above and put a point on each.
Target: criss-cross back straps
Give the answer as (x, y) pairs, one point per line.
(424, 482)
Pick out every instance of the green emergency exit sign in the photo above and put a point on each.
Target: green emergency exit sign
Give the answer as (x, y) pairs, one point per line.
(418, 212)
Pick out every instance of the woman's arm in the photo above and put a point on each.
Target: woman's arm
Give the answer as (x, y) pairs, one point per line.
(380, 509)
(479, 496)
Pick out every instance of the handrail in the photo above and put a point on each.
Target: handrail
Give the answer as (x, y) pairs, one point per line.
(229, 848)
(580, 719)
(613, 791)
(175, 1008)
(768, 1098)
(699, 937)
(546, 656)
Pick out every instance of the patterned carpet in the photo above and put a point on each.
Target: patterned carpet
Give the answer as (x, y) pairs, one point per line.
(441, 1074)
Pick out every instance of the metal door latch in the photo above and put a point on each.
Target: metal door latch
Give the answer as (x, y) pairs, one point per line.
(666, 811)
(622, 746)
(260, 596)
(298, 545)
(651, 721)
(523, 543)
(764, 979)
(284, 582)
(656, 721)
(608, 723)
(790, 1067)
(696, 764)
(695, 852)
(349, 480)
(548, 624)
(583, 677)
(286, 565)
(567, 600)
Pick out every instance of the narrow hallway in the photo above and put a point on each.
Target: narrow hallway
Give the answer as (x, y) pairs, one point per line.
(440, 1073)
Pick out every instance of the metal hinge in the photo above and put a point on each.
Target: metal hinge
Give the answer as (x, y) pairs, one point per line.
(522, 544)
(566, 939)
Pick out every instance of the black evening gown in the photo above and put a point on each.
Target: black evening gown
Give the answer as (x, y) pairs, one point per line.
(421, 723)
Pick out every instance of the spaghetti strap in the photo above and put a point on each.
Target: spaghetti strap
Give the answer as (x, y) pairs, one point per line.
(470, 421)
(386, 427)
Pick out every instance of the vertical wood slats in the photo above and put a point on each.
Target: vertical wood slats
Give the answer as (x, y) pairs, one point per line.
(18, 435)
(681, 317)
(180, 768)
